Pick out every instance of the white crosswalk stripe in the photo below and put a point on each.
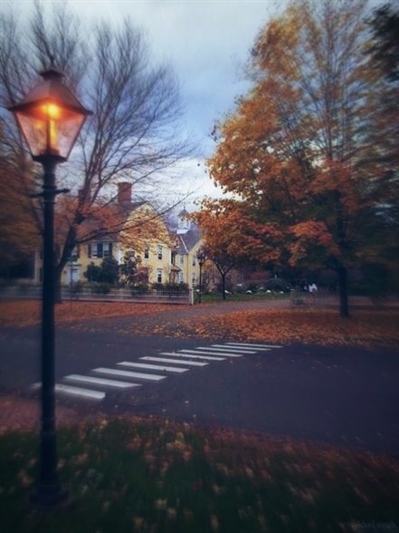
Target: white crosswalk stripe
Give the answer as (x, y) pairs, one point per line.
(267, 346)
(231, 349)
(78, 391)
(154, 367)
(242, 349)
(127, 374)
(213, 352)
(193, 355)
(101, 381)
(174, 361)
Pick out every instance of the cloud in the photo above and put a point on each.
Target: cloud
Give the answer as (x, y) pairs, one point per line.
(207, 42)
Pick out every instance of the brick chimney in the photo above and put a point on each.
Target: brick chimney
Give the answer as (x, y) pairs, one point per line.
(124, 192)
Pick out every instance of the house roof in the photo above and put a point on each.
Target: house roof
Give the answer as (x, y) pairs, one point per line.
(108, 220)
(187, 241)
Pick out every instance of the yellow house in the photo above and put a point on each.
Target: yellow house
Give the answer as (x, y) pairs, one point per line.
(165, 256)
(187, 245)
(134, 226)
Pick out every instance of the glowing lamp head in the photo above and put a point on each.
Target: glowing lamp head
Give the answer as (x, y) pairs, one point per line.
(50, 118)
(52, 111)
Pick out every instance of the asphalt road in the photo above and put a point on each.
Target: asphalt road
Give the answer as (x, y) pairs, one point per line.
(341, 396)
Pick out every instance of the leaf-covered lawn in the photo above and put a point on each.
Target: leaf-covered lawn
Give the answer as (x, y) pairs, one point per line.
(133, 475)
(313, 326)
(27, 312)
(366, 327)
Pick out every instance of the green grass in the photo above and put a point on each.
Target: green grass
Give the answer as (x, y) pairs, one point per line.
(134, 475)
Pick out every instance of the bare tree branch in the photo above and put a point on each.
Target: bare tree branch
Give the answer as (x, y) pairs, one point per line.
(134, 132)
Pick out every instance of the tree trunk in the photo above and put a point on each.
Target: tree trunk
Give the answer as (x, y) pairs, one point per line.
(343, 291)
(223, 286)
(62, 262)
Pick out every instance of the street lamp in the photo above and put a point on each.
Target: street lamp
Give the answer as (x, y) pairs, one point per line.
(50, 118)
(201, 260)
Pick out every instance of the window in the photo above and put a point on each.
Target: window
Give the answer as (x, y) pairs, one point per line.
(193, 280)
(182, 259)
(99, 249)
(159, 252)
(193, 260)
(181, 277)
(159, 275)
(92, 250)
(146, 252)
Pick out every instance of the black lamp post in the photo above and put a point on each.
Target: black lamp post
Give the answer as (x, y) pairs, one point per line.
(50, 118)
(201, 260)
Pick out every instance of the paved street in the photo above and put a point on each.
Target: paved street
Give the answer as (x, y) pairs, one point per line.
(345, 396)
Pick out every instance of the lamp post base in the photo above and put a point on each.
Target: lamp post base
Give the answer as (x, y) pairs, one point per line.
(50, 496)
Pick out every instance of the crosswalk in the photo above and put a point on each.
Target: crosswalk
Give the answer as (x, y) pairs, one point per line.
(127, 375)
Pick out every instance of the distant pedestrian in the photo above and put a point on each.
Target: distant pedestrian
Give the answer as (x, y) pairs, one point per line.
(313, 291)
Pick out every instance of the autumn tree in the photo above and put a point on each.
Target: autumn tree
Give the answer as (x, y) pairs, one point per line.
(298, 152)
(223, 242)
(128, 268)
(382, 51)
(19, 236)
(144, 228)
(384, 45)
(133, 134)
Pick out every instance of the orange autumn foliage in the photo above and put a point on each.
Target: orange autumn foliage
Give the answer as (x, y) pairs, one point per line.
(28, 312)
(19, 235)
(296, 153)
(368, 327)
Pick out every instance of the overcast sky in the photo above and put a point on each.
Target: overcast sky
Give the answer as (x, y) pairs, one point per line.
(206, 41)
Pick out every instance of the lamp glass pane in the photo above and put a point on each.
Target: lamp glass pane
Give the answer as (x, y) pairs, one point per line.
(34, 131)
(66, 132)
(50, 129)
